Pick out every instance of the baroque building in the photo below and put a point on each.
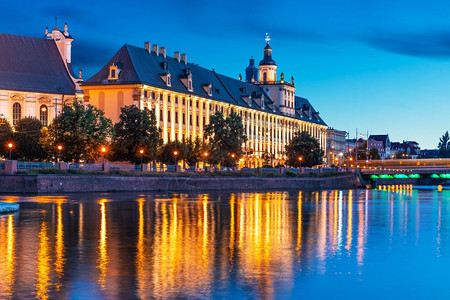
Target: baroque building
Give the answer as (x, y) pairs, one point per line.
(36, 76)
(184, 95)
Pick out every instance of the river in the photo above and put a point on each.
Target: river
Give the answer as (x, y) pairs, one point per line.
(351, 244)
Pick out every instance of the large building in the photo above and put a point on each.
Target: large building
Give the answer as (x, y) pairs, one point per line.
(382, 143)
(36, 76)
(184, 95)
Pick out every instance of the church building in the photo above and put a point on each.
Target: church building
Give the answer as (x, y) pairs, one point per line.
(184, 95)
(36, 76)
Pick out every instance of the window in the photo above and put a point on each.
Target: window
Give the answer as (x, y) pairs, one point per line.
(196, 104)
(153, 95)
(190, 121)
(184, 101)
(161, 115)
(17, 113)
(184, 118)
(168, 116)
(264, 76)
(43, 115)
(176, 100)
(204, 105)
(176, 117)
(168, 98)
(190, 103)
(196, 120)
(169, 83)
(113, 73)
(145, 94)
(203, 120)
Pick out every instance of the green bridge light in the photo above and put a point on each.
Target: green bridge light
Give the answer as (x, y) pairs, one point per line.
(385, 176)
(435, 176)
(373, 177)
(415, 176)
(446, 175)
(400, 176)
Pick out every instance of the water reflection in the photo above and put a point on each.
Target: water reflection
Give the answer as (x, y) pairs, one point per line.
(200, 245)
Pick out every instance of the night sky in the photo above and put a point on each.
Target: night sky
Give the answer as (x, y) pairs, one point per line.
(379, 66)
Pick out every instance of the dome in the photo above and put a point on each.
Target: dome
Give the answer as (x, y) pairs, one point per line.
(267, 60)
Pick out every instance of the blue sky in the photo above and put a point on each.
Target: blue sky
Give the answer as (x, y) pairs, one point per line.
(381, 66)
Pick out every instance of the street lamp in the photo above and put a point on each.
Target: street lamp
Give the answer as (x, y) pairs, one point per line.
(59, 147)
(300, 159)
(2, 119)
(175, 153)
(205, 155)
(141, 151)
(103, 150)
(10, 146)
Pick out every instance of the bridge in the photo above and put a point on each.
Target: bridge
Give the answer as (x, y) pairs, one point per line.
(407, 171)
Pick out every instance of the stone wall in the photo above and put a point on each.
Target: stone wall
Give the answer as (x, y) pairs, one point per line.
(106, 183)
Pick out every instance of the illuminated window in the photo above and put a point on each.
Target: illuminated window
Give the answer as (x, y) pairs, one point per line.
(17, 113)
(176, 117)
(264, 76)
(184, 119)
(113, 72)
(43, 115)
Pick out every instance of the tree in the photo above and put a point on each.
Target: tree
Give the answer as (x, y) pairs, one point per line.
(166, 152)
(6, 136)
(373, 153)
(136, 130)
(27, 135)
(304, 146)
(444, 145)
(226, 136)
(80, 130)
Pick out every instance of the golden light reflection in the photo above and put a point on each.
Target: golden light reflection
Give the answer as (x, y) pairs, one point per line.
(266, 239)
(349, 220)
(142, 275)
(102, 251)
(7, 257)
(43, 263)
(59, 246)
(299, 223)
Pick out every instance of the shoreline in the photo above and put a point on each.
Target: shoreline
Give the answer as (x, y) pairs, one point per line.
(53, 184)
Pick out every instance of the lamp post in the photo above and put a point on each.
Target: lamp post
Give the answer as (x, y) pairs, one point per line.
(175, 153)
(300, 159)
(10, 146)
(205, 155)
(141, 151)
(103, 149)
(59, 147)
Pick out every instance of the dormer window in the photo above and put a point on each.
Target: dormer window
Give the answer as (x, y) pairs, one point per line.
(166, 78)
(189, 82)
(169, 81)
(208, 89)
(113, 72)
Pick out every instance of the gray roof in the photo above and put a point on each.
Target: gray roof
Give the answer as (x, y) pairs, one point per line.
(137, 66)
(33, 65)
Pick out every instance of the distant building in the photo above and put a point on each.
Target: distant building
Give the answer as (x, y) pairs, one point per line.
(36, 76)
(336, 146)
(406, 149)
(382, 144)
(429, 153)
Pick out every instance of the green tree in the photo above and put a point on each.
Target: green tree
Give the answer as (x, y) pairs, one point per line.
(226, 136)
(135, 130)
(80, 130)
(373, 153)
(444, 145)
(192, 152)
(6, 136)
(27, 135)
(166, 152)
(304, 146)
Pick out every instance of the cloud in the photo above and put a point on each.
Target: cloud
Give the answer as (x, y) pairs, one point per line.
(430, 45)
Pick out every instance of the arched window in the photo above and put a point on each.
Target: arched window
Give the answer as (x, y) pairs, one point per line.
(120, 101)
(43, 115)
(101, 101)
(17, 113)
(264, 77)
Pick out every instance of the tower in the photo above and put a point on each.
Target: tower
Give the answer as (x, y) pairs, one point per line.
(267, 66)
(251, 72)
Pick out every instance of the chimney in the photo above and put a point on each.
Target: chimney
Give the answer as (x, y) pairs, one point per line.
(162, 50)
(176, 54)
(155, 48)
(147, 46)
(184, 58)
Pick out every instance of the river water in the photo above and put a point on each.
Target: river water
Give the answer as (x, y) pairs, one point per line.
(350, 244)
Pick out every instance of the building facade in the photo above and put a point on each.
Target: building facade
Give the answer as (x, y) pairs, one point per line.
(336, 146)
(382, 143)
(184, 95)
(36, 76)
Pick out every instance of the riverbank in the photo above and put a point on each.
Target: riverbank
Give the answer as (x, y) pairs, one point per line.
(48, 184)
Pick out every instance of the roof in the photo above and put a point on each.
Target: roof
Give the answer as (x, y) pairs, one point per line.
(379, 137)
(33, 65)
(138, 66)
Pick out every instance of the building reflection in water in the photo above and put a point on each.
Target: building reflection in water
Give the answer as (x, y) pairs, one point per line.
(192, 245)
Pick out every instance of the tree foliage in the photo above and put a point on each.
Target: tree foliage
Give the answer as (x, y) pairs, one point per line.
(305, 146)
(80, 130)
(6, 136)
(136, 130)
(27, 136)
(373, 153)
(166, 152)
(190, 152)
(444, 145)
(226, 136)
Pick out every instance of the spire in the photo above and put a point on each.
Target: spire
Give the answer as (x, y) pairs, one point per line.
(267, 60)
(251, 71)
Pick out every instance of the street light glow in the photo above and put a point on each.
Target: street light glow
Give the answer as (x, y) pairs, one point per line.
(10, 145)
(175, 153)
(59, 147)
(141, 151)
